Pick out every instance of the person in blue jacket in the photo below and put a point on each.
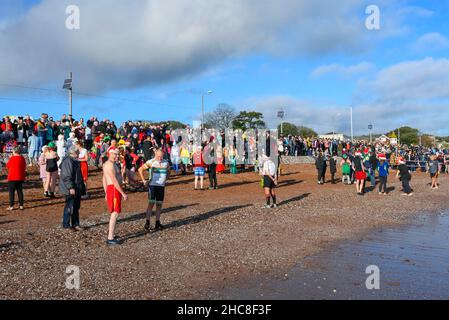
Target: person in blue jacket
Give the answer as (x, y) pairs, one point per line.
(382, 168)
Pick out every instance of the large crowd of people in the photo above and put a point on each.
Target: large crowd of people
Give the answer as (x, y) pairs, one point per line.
(65, 149)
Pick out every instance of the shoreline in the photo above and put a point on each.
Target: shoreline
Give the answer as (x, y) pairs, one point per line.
(308, 263)
(411, 259)
(211, 242)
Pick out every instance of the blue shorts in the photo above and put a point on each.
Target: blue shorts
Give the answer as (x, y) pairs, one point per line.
(199, 171)
(33, 154)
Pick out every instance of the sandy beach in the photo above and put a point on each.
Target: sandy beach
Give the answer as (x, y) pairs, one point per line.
(213, 240)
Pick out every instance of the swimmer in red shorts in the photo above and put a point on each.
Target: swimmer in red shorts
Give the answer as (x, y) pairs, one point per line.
(112, 181)
(360, 174)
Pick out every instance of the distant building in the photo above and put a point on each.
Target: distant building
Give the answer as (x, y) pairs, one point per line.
(393, 138)
(383, 139)
(333, 135)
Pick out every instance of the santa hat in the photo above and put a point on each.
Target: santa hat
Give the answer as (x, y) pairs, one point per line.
(401, 160)
(382, 157)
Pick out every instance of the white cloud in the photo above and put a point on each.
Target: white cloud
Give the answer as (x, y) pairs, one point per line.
(342, 70)
(413, 80)
(431, 41)
(429, 118)
(416, 11)
(127, 44)
(414, 93)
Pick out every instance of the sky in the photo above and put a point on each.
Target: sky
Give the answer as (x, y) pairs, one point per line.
(153, 60)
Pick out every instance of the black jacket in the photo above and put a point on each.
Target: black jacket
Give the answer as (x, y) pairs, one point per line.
(71, 177)
(320, 163)
(333, 165)
(373, 161)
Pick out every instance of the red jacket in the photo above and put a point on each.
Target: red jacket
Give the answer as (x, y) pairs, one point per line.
(16, 168)
(6, 127)
(198, 160)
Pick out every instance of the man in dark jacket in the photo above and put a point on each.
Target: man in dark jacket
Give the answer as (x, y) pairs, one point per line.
(72, 187)
(321, 166)
(372, 170)
(333, 167)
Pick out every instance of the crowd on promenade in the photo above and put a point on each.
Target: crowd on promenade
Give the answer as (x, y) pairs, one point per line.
(65, 149)
(416, 156)
(363, 162)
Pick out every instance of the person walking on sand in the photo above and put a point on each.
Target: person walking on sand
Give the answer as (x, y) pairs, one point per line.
(383, 169)
(373, 162)
(233, 160)
(52, 175)
(175, 157)
(320, 164)
(360, 174)
(333, 167)
(198, 167)
(269, 173)
(159, 172)
(112, 184)
(84, 164)
(16, 176)
(33, 149)
(404, 176)
(72, 187)
(42, 162)
(346, 170)
(185, 158)
(433, 168)
(61, 148)
(211, 164)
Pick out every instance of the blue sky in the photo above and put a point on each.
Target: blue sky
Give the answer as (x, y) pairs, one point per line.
(152, 59)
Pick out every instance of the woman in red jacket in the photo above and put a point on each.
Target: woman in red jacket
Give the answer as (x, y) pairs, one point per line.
(16, 176)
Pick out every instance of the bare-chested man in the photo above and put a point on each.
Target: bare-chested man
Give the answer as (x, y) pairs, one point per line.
(114, 193)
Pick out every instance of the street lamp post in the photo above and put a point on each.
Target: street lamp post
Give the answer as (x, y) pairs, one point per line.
(370, 128)
(68, 86)
(281, 115)
(202, 108)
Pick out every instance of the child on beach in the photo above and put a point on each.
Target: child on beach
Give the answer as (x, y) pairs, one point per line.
(433, 168)
(43, 167)
(404, 176)
(346, 169)
(333, 167)
(321, 165)
(382, 168)
(360, 174)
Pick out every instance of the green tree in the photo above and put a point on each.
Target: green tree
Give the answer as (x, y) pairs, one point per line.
(288, 129)
(248, 119)
(408, 135)
(171, 124)
(306, 132)
(428, 141)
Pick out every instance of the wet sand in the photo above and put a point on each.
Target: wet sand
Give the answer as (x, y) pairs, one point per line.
(413, 263)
